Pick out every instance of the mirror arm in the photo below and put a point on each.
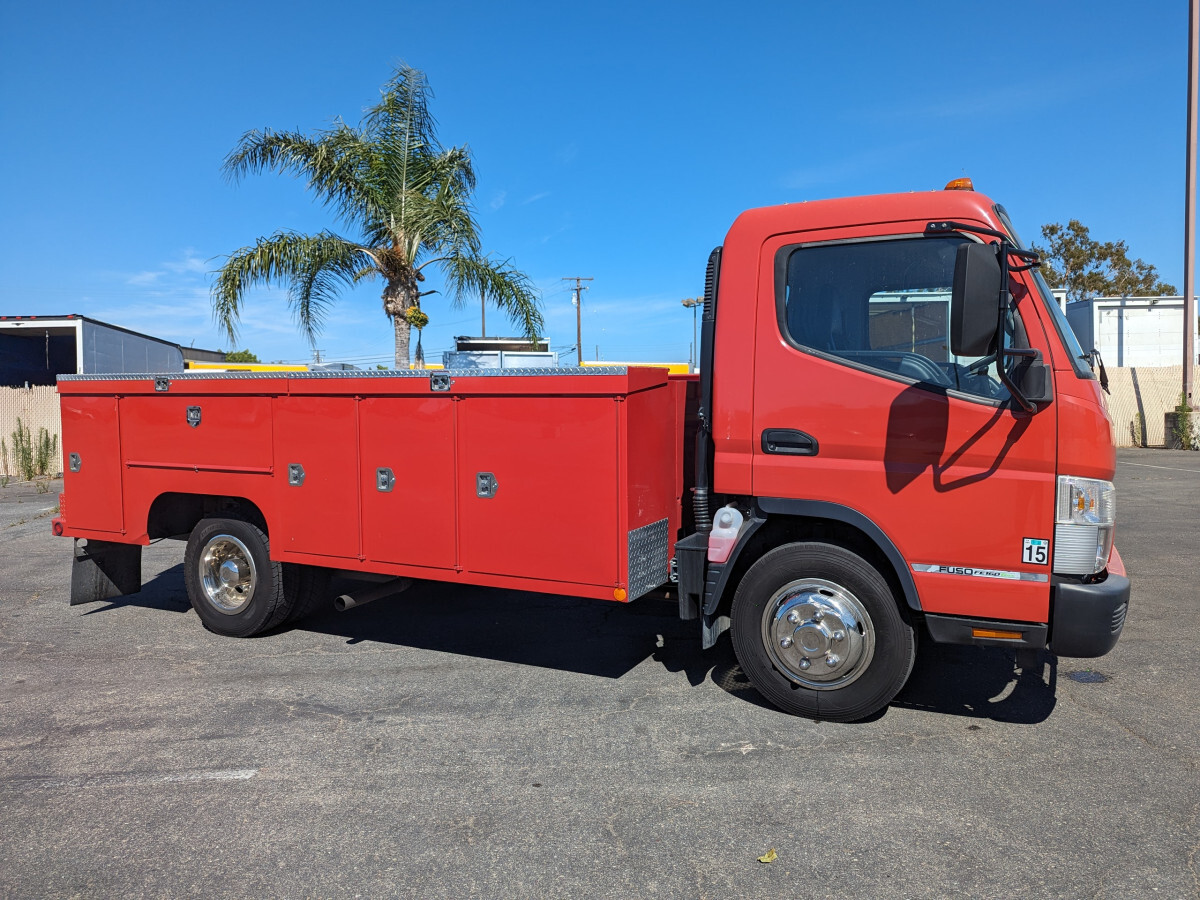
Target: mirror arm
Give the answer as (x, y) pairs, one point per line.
(1007, 246)
(943, 227)
(1001, 351)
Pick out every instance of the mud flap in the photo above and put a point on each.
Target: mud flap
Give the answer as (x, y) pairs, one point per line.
(102, 569)
(712, 627)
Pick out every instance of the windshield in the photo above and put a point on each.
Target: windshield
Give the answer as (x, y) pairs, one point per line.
(1080, 361)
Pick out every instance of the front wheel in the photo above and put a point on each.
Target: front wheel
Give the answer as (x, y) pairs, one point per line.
(818, 632)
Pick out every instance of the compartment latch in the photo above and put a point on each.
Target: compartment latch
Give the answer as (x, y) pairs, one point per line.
(486, 485)
(385, 480)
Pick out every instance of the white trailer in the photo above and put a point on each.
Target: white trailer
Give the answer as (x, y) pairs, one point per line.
(1131, 331)
(34, 350)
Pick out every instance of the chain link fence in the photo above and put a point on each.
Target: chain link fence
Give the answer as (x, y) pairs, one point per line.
(1140, 396)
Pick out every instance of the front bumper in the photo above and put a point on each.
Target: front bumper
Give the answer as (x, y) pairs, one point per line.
(1086, 619)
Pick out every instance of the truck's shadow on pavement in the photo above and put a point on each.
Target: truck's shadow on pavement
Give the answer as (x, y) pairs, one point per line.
(591, 637)
(981, 682)
(164, 591)
(607, 640)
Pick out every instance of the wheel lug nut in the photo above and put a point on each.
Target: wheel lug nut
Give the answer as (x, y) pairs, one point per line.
(818, 615)
(805, 663)
(839, 635)
(794, 617)
(785, 642)
(832, 660)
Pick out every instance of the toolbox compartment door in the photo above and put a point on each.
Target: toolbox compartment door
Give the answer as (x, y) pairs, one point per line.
(407, 480)
(553, 513)
(207, 433)
(90, 433)
(318, 509)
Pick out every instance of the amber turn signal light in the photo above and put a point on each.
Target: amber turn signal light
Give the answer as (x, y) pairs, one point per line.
(993, 633)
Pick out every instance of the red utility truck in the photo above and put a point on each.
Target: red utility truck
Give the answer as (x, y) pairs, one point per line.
(893, 433)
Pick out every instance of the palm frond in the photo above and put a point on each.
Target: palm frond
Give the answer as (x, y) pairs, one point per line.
(314, 267)
(504, 286)
(403, 130)
(338, 166)
(402, 112)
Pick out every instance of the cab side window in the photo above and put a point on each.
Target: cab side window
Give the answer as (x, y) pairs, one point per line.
(884, 306)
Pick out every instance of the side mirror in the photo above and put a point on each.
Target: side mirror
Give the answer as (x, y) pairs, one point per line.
(1032, 379)
(975, 301)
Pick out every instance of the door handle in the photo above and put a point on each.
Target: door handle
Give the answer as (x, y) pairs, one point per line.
(789, 442)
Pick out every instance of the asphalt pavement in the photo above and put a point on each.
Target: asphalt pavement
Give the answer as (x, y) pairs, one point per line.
(454, 742)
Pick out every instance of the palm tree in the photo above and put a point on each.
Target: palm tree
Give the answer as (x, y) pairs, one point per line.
(406, 197)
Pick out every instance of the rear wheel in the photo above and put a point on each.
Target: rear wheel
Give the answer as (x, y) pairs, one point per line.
(818, 633)
(307, 590)
(234, 585)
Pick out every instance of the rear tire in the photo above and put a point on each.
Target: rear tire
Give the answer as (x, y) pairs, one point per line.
(818, 632)
(307, 589)
(234, 586)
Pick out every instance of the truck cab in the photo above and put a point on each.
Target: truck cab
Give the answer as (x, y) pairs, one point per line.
(909, 439)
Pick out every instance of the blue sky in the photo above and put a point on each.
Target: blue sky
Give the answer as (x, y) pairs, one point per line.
(617, 141)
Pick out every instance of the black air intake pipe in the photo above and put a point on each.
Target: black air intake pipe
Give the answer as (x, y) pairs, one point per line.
(704, 450)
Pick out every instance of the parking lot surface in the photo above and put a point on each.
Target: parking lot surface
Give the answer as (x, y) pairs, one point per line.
(453, 742)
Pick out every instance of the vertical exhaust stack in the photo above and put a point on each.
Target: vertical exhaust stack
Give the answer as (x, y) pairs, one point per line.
(700, 504)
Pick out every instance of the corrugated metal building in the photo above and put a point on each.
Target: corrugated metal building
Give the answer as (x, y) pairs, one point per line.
(34, 350)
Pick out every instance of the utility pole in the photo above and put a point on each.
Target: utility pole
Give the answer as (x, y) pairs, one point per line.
(691, 303)
(482, 314)
(1189, 224)
(579, 289)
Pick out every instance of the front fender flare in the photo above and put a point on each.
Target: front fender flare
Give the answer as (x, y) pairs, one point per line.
(717, 576)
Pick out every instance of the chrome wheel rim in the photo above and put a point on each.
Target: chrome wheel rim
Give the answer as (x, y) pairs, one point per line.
(227, 574)
(818, 634)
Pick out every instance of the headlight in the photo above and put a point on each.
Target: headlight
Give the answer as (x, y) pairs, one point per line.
(1083, 529)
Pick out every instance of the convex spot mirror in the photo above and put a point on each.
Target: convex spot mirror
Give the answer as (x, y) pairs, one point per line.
(975, 301)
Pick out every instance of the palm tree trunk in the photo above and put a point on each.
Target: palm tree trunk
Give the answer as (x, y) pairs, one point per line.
(400, 294)
(402, 332)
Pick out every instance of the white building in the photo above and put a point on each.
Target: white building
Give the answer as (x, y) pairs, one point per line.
(34, 350)
(1132, 331)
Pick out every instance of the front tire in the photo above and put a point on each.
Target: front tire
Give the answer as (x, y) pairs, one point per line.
(235, 587)
(818, 632)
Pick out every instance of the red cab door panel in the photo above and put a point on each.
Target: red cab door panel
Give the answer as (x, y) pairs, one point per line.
(852, 351)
